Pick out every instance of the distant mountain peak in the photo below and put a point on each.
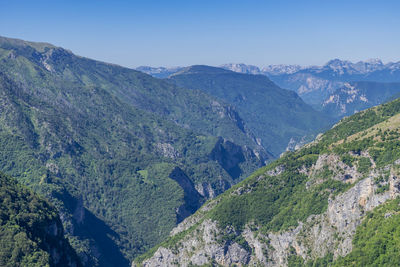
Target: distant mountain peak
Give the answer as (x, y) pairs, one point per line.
(242, 68)
(375, 61)
(281, 69)
(338, 65)
(348, 67)
(270, 69)
(201, 69)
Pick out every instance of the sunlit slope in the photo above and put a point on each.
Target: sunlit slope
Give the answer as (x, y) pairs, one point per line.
(124, 156)
(311, 206)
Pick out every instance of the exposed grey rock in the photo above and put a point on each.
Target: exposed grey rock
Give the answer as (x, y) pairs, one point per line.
(205, 189)
(167, 150)
(275, 172)
(200, 248)
(342, 172)
(318, 235)
(333, 230)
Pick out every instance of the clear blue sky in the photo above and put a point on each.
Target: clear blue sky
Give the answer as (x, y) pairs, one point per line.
(172, 33)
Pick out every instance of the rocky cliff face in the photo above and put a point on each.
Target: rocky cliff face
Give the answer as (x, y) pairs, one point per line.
(315, 84)
(357, 96)
(329, 232)
(326, 190)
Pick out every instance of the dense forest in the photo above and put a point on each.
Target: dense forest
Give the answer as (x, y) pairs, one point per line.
(31, 231)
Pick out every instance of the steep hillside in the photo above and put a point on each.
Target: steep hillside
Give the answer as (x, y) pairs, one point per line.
(31, 233)
(357, 96)
(318, 206)
(274, 115)
(124, 156)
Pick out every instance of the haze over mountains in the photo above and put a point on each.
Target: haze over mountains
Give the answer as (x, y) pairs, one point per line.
(316, 84)
(324, 87)
(356, 96)
(274, 115)
(125, 157)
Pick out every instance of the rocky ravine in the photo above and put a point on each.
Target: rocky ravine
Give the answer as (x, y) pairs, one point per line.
(329, 232)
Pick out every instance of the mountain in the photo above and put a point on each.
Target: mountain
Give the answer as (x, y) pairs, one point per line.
(242, 68)
(273, 114)
(31, 233)
(357, 96)
(314, 84)
(160, 72)
(270, 69)
(281, 69)
(334, 202)
(123, 156)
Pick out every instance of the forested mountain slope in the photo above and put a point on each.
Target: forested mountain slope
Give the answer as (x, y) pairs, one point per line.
(275, 115)
(31, 233)
(122, 155)
(335, 202)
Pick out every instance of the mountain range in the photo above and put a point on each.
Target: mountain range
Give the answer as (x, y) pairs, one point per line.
(273, 114)
(123, 156)
(110, 164)
(357, 96)
(334, 202)
(160, 72)
(317, 84)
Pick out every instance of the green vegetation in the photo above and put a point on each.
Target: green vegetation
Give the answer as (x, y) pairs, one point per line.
(361, 121)
(348, 160)
(277, 200)
(102, 142)
(364, 165)
(30, 230)
(377, 240)
(119, 152)
(297, 261)
(261, 104)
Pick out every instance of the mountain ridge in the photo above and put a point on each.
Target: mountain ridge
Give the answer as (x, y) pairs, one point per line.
(320, 205)
(111, 146)
(315, 83)
(273, 114)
